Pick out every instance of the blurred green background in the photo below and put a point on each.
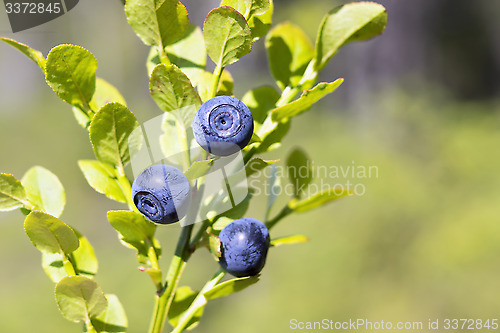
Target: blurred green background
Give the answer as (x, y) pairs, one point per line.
(421, 103)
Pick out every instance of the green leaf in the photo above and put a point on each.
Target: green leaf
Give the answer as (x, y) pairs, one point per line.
(110, 134)
(157, 22)
(308, 98)
(80, 298)
(318, 199)
(230, 287)
(70, 72)
(300, 171)
(34, 55)
(113, 319)
(221, 223)
(44, 191)
(103, 178)
(83, 258)
(256, 164)
(260, 22)
(352, 22)
(184, 296)
(199, 169)
(12, 193)
(171, 88)
(289, 51)
(227, 36)
(134, 230)
(261, 101)
(105, 93)
(295, 239)
(49, 234)
(189, 54)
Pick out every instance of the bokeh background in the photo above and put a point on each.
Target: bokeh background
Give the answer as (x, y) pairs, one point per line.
(421, 103)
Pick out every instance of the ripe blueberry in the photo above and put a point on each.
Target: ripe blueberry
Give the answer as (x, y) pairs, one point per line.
(244, 245)
(161, 193)
(223, 125)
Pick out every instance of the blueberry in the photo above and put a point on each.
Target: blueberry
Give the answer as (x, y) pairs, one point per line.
(223, 125)
(161, 193)
(244, 245)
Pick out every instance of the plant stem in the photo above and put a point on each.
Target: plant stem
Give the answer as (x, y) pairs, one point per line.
(282, 214)
(163, 56)
(177, 265)
(199, 302)
(215, 80)
(164, 300)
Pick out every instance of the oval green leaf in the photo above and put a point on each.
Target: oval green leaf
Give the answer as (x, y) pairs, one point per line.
(289, 51)
(103, 178)
(83, 258)
(114, 319)
(227, 36)
(171, 88)
(44, 190)
(157, 22)
(70, 72)
(133, 230)
(80, 298)
(49, 234)
(110, 132)
(12, 193)
(189, 54)
(352, 22)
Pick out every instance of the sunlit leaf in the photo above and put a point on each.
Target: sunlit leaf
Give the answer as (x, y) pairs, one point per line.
(308, 98)
(70, 72)
(355, 21)
(80, 298)
(227, 36)
(44, 190)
